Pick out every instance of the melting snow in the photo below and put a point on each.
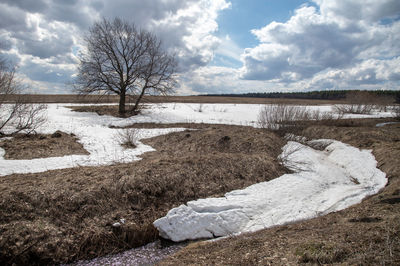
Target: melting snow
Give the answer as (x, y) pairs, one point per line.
(323, 182)
(95, 135)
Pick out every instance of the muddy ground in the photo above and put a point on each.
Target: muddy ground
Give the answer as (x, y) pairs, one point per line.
(365, 234)
(64, 215)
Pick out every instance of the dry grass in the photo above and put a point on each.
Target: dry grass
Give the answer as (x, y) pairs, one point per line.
(289, 118)
(42, 98)
(27, 147)
(64, 215)
(111, 110)
(364, 234)
(127, 137)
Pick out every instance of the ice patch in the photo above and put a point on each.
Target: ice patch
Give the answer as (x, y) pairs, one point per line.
(387, 123)
(325, 181)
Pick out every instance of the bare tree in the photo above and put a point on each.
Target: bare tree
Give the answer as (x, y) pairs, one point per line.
(15, 114)
(122, 60)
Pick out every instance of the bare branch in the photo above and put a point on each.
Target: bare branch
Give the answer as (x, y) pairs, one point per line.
(17, 116)
(123, 60)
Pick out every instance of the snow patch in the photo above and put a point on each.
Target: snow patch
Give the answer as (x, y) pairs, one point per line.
(324, 181)
(94, 134)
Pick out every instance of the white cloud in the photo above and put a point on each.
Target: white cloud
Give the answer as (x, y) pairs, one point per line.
(359, 10)
(229, 48)
(330, 44)
(47, 34)
(218, 80)
(347, 37)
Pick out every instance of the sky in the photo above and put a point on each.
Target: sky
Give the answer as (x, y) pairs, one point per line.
(222, 46)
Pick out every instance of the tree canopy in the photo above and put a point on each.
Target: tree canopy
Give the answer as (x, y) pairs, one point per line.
(121, 59)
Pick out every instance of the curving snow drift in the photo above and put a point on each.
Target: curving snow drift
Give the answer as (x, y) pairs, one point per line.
(322, 182)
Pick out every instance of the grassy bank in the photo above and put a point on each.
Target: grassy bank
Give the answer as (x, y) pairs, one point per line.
(364, 234)
(66, 215)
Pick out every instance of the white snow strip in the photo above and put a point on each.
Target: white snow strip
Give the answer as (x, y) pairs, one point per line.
(96, 137)
(231, 114)
(325, 181)
(99, 140)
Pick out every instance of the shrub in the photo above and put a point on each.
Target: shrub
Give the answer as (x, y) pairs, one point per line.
(279, 116)
(342, 109)
(200, 108)
(288, 118)
(127, 137)
(396, 111)
(358, 102)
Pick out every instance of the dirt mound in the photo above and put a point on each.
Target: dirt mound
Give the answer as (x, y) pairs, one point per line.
(65, 215)
(27, 147)
(367, 233)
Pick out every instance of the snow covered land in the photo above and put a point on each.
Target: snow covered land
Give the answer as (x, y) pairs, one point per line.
(231, 114)
(93, 133)
(323, 181)
(99, 139)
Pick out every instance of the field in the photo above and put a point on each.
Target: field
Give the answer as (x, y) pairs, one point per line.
(73, 98)
(98, 197)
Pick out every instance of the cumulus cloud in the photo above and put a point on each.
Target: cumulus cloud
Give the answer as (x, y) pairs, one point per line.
(334, 36)
(44, 31)
(324, 45)
(358, 10)
(218, 80)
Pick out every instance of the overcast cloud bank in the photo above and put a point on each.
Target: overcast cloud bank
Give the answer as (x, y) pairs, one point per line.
(323, 45)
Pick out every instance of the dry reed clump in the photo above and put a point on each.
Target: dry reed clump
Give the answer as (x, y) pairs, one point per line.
(127, 137)
(364, 109)
(63, 215)
(285, 118)
(111, 110)
(363, 102)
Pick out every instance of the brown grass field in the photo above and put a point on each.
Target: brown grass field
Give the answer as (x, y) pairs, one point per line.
(74, 98)
(26, 147)
(365, 234)
(64, 215)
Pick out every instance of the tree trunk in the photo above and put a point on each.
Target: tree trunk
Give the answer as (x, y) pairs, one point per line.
(122, 103)
(136, 106)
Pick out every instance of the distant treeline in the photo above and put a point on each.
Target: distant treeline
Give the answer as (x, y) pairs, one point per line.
(317, 95)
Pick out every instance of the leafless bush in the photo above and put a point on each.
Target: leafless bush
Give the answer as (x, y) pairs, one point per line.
(288, 118)
(200, 108)
(288, 159)
(278, 116)
(127, 137)
(360, 102)
(342, 109)
(396, 111)
(383, 103)
(19, 115)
